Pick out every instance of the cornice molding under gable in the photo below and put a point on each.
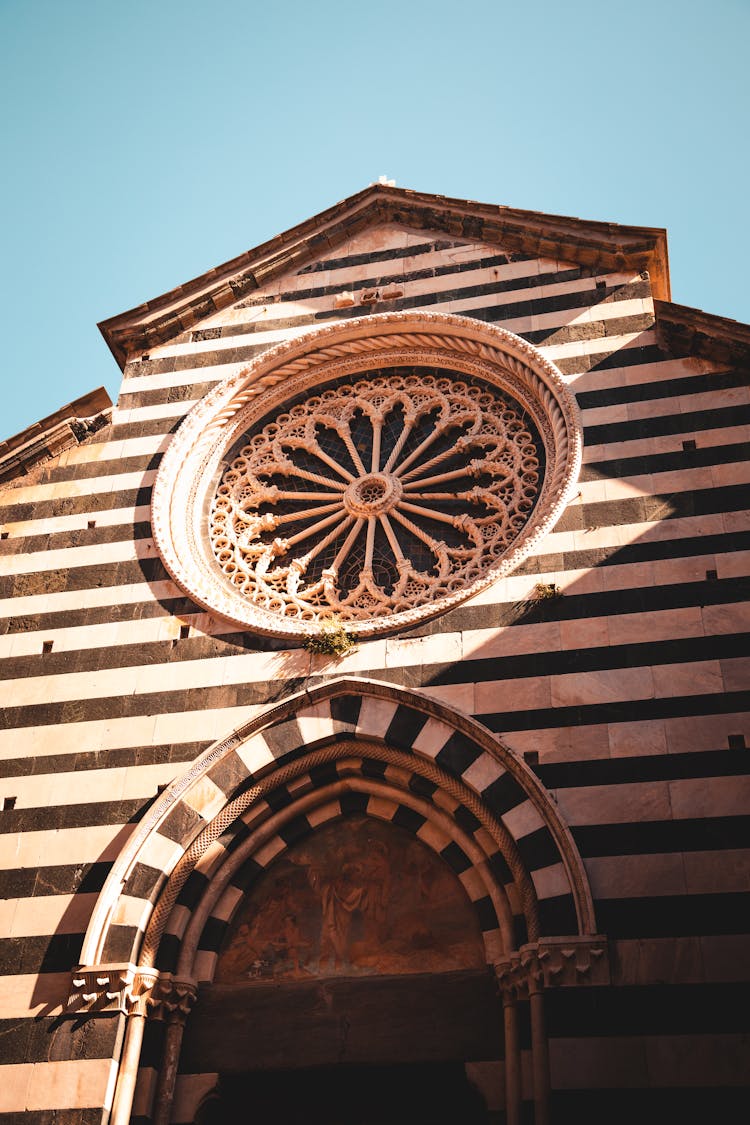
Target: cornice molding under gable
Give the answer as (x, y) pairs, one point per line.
(599, 246)
(684, 331)
(68, 426)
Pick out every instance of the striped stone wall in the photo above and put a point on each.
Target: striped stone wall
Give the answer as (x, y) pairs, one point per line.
(627, 695)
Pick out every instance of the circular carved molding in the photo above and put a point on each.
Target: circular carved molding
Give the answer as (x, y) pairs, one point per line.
(377, 472)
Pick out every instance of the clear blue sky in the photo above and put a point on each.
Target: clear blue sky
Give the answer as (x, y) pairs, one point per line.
(145, 142)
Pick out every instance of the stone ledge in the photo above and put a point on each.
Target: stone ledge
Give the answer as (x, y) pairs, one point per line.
(68, 426)
(686, 331)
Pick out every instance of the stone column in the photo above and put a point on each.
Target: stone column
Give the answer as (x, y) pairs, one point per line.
(128, 1070)
(99, 990)
(539, 1056)
(511, 984)
(176, 999)
(512, 1061)
(139, 994)
(554, 962)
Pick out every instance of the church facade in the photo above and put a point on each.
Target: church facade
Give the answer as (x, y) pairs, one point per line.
(375, 691)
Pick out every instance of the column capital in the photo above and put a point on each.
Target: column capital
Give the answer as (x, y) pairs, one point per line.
(554, 962)
(130, 989)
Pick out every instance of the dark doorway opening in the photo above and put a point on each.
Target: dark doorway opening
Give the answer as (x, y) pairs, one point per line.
(415, 1094)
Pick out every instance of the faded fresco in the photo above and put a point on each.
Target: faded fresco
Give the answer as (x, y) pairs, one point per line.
(358, 897)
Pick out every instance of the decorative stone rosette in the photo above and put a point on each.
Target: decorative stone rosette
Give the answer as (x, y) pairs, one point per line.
(375, 497)
(374, 473)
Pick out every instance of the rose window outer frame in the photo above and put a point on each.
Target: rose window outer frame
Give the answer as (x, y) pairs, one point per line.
(471, 350)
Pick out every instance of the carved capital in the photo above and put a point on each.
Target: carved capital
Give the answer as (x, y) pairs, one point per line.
(171, 998)
(511, 979)
(554, 962)
(102, 989)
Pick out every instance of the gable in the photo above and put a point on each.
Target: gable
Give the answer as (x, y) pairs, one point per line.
(598, 247)
(575, 315)
(384, 268)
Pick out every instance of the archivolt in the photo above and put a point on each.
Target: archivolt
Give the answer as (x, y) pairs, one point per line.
(192, 822)
(266, 843)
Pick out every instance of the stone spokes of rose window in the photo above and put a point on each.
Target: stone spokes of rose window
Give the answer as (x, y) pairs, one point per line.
(376, 496)
(374, 473)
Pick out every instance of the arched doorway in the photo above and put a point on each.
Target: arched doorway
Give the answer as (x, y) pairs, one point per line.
(354, 963)
(345, 750)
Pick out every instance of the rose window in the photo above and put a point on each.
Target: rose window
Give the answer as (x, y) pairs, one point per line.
(376, 496)
(374, 472)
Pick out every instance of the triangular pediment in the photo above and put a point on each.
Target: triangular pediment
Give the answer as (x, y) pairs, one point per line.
(381, 268)
(417, 217)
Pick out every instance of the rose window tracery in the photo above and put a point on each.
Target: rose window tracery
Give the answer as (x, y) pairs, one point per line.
(376, 496)
(373, 472)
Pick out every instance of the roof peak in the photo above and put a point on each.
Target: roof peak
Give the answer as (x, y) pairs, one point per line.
(597, 245)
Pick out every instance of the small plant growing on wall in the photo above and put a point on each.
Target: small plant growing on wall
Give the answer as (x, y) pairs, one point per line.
(544, 591)
(331, 640)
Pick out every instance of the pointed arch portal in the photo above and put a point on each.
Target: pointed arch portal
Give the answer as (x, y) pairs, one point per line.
(359, 839)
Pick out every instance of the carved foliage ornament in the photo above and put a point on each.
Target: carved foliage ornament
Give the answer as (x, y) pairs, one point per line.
(376, 473)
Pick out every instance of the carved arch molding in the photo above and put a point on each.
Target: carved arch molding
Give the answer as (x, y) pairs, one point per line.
(404, 759)
(375, 472)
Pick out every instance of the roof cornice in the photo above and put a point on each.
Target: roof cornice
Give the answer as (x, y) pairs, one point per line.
(600, 246)
(68, 426)
(686, 331)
